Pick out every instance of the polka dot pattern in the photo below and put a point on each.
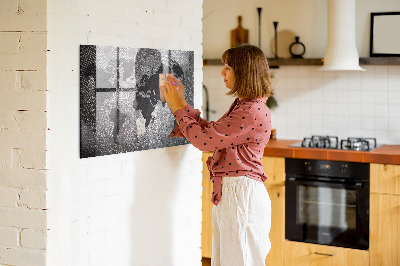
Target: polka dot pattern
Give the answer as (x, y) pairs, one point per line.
(238, 139)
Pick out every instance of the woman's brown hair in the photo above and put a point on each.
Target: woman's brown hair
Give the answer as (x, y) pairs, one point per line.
(250, 66)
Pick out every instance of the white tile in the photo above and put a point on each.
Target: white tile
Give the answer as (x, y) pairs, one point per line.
(342, 109)
(381, 71)
(317, 121)
(304, 72)
(328, 74)
(394, 137)
(317, 95)
(316, 82)
(317, 131)
(355, 122)
(329, 94)
(317, 107)
(381, 84)
(316, 72)
(367, 83)
(304, 109)
(394, 110)
(342, 122)
(342, 133)
(342, 96)
(367, 123)
(355, 132)
(354, 80)
(303, 82)
(292, 83)
(382, 136)
(381, 97)
(394, 70)
(355, 109)
(381, 110)
(367, 110)
(355, 96)
(381, 123)
(342, 81)
(291, 71)
(293, 120)
(394, 97)
(329, 109)
(394, 83)
(367, 96)
(367, 133)
(394, 123)
(329, 122)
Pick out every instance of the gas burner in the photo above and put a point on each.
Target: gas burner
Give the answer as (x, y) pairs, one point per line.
(327, 142)
(358, 144)
(332, 142)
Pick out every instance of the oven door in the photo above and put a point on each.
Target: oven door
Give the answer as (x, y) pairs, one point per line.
(327, 213)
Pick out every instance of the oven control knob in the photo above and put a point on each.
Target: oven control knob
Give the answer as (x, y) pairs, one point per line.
(308, 166)
(343, 168)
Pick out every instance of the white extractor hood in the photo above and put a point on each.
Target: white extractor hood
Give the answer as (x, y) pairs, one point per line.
(341, 51)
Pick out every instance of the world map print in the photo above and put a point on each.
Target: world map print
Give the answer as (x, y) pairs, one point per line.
(120, 105)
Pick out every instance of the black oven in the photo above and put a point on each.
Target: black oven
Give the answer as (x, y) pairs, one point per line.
(327, 202)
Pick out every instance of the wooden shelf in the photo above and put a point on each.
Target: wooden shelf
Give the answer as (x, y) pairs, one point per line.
(274, 63)
(380, 61)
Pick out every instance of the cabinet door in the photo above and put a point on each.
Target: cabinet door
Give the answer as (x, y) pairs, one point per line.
(206, 232)
(385, 178)
(274, 168)
(384, 230)
(304, 254)
(277, 233)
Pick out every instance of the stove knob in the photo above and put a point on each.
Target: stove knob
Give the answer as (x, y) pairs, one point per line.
(343, 168)
(308, 166)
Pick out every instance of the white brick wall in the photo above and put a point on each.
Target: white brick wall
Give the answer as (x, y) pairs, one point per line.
(140, 208)
(23, 132)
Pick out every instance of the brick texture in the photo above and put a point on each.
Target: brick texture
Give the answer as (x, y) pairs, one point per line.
(23, 126)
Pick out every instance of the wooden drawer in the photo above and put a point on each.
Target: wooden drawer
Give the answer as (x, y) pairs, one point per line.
(304, 254)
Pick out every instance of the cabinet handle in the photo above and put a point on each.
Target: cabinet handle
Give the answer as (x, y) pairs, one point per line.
(324, 254)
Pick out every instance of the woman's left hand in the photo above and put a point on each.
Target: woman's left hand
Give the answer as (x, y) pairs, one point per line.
(170, 90)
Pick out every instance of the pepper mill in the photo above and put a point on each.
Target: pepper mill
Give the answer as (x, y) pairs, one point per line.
(276, 38)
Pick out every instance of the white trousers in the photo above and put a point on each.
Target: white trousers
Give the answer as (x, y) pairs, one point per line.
(241, 223)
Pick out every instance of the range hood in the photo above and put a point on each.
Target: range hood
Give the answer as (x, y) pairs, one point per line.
(341, 51)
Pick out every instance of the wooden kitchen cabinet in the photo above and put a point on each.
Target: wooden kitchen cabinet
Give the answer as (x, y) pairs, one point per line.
(274, 168)
(385, 215)
(384, 236)
(206, 225)
(385, 178)
(277, 233)
(305, 254)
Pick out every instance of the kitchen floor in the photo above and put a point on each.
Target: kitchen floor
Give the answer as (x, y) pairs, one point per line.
(206, 261)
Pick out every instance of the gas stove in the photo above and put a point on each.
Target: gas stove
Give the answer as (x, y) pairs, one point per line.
(332, 142)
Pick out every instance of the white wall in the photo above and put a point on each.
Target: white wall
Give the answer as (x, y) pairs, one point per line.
(311, 102)
(306, 19)
(23, 133)
(140, 208)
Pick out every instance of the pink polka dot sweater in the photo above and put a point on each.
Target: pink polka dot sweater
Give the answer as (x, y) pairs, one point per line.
(238, 139)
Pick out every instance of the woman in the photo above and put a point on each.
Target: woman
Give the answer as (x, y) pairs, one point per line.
(242, 211)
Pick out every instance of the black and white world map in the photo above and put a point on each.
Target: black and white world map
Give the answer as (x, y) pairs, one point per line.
(120, 106)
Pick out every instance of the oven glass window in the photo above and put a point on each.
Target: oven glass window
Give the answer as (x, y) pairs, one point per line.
(326, 207)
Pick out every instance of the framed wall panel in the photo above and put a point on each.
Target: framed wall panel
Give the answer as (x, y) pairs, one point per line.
(120, 106)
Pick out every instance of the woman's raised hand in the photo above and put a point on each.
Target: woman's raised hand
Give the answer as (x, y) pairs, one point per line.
(174, 94)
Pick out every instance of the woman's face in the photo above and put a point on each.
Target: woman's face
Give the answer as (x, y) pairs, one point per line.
(229, 76)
